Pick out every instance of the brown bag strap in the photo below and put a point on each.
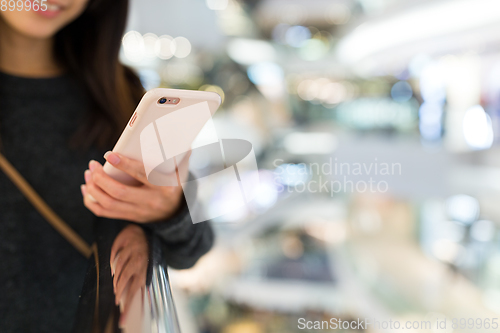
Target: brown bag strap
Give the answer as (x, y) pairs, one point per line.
(52, 218)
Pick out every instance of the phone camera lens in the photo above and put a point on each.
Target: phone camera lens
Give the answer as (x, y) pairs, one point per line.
(162, 100)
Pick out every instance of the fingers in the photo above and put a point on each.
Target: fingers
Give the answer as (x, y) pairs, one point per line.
(111, 186)
(134, 271)
(91, 203)
(129, 259)
(106, 197)
(122, 281)
(103, 205)
(109, 198)
(119, 242)
(99, 210)
(135, 285)
(120, 262)
(129, 236)
(132, 167)
(106, 201)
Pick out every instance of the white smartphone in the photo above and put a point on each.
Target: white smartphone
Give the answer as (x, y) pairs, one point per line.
(162, 130)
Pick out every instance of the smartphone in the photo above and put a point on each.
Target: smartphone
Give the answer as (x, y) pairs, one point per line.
(163, 129)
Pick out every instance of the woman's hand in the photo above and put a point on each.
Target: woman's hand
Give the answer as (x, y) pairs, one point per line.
(109, 198)
(129, 264)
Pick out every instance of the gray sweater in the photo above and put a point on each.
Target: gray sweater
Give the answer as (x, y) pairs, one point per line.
(41, 274)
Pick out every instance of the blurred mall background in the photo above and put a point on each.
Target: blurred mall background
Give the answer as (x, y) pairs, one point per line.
(376, 126)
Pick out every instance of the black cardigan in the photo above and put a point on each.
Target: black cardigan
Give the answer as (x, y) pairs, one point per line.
(41, 274)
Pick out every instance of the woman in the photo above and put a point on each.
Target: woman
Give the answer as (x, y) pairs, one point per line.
(64, 100)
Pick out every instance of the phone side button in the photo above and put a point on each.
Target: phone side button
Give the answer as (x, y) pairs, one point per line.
(132, 121)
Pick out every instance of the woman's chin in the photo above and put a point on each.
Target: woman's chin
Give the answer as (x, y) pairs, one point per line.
(41, 32)
(30, 25)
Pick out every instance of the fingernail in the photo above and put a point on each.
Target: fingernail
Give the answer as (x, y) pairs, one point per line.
(92, 165)
(92, 198)
(115, 262)
(112, 158)
(83, 188)
(87, 176)
(122, 302)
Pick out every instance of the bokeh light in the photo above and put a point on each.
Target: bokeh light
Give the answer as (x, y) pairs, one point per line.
(165, 48)
(430, 121)
(265, 73)
(133, 46)
(462, 208)
(180, 47)
(432, 83)
(401, 91)
(297, 35)
(477, 128)
(313, 49)
(150, 42)
(213, 88)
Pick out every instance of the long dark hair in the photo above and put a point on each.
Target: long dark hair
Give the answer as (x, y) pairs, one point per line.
(89, 48)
